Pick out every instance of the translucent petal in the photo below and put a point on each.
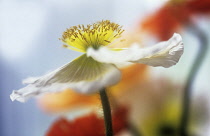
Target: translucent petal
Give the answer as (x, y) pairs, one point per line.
(163, 54)
(84, 75)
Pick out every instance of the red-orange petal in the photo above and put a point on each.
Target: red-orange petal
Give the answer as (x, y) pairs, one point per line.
(199, 6)
(166, 20)
(89, 125)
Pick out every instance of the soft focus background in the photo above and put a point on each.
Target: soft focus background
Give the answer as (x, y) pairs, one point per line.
(29, 46)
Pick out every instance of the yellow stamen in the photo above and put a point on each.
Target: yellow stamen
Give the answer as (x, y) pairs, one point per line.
(98, 34)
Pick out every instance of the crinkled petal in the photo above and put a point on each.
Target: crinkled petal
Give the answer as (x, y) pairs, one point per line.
(163, 54)
(84, 75)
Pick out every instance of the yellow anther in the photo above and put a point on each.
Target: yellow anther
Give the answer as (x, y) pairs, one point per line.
(95, 35)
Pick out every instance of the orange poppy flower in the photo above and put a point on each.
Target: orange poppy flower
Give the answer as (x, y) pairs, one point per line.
(67, 100)
(89, 125)
(172, 16)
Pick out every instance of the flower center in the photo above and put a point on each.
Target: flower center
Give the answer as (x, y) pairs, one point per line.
(81, 37)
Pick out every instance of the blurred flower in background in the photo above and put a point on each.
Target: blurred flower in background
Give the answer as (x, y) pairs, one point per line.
(67, 100)
(89, 125)
(172, 16)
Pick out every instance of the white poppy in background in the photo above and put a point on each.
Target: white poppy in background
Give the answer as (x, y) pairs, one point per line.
(97, 67)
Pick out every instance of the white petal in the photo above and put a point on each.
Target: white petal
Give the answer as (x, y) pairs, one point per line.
(84, 75)
(163, 54)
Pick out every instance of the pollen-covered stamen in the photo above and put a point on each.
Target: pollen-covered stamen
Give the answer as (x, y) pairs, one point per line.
(81, 37)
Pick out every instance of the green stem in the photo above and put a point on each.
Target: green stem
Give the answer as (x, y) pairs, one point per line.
(107, 112)
(203, 40)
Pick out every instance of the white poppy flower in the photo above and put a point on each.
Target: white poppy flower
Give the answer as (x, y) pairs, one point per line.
(97, 67)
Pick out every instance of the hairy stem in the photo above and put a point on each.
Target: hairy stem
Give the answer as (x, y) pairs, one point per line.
(203, 45)
(107, 112)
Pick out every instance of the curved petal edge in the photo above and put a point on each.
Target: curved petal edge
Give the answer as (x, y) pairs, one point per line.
(165, 54)
(59, 80)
